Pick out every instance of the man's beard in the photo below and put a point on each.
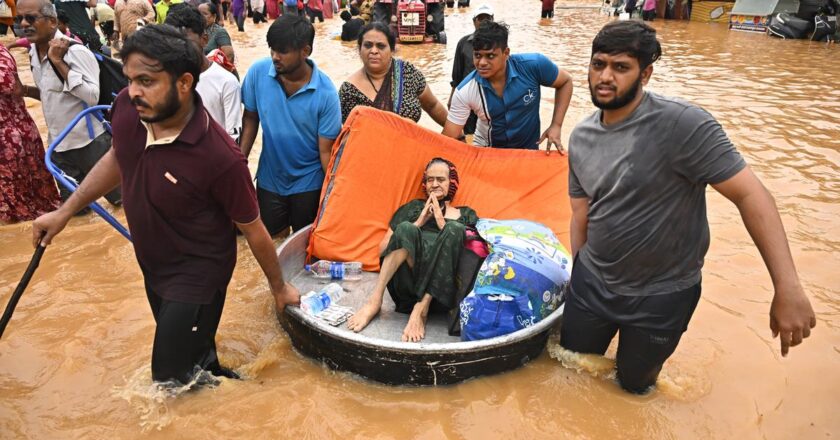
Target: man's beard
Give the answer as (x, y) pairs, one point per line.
(288, 69)
(164, 111)
(620, 100)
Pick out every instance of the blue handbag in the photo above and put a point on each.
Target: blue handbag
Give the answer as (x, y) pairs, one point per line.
(488, 316)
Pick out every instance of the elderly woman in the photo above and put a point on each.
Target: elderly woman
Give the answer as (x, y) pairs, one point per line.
(419, 253)
(387, 83)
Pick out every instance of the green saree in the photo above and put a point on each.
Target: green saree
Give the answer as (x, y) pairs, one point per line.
(435, 254)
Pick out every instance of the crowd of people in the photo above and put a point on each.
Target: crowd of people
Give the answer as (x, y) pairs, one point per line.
(639, 230)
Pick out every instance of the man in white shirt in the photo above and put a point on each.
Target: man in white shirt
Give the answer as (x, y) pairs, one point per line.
(67, 81)
(219, 89)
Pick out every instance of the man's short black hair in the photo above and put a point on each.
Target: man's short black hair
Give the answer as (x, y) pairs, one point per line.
(377, 26)
(490, 35)
(632, 37)
(290, 32)
(168, 46)
(184, 16)
(345, 15)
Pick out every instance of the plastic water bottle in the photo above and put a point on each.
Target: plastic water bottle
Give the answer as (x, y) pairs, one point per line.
(336, 270)
(316, 302)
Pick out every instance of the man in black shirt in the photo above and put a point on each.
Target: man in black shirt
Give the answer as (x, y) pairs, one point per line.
(464, 65)
(352, 24)
(80, 24)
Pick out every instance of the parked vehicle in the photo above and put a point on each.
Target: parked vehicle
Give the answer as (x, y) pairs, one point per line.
(414, 20)
(788, 26)
(815, 18)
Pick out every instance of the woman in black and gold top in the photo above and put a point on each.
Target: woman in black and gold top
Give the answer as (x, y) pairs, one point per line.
(388, 83)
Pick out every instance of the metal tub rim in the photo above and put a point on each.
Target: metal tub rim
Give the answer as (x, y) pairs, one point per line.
(293, 244)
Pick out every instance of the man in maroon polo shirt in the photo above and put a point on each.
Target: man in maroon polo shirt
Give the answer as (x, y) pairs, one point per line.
(185, 185)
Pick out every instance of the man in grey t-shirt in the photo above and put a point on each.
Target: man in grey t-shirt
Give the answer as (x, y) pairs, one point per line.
(638, 170)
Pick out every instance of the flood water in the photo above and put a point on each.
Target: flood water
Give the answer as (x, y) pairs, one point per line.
(74, 360)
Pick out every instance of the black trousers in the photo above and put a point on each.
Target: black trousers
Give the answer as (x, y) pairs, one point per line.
(185, 338)
(279, 212)
(649, 327)
(313, 14)
(78, 163)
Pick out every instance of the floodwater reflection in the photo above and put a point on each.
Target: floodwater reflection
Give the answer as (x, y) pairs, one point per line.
(74, 362)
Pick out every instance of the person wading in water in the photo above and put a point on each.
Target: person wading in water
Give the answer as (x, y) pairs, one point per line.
(638, 171)
(182, 217)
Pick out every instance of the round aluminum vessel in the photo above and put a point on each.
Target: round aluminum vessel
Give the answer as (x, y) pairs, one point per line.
(377, 352)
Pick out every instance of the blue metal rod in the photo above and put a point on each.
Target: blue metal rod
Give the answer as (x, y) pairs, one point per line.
(66, 181)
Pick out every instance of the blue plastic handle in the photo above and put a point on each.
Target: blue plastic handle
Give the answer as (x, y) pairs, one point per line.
(66, 180)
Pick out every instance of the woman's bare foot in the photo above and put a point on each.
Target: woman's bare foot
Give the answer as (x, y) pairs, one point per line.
(415, 330)
(362, 318)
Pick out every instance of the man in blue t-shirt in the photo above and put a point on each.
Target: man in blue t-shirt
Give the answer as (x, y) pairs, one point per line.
(298, 109)
(504, 92)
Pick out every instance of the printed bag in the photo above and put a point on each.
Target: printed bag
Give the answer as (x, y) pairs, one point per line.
(526, 259)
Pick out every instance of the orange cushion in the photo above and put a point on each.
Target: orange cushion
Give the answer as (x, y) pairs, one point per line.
(376, 167)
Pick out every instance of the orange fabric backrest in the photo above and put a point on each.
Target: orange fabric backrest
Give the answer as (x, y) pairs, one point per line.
(376, 167)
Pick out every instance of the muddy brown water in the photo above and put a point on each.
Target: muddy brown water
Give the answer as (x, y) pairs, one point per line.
(74, 360)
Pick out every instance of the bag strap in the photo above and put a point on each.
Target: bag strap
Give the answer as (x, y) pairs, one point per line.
(88, 119)
(57, 73)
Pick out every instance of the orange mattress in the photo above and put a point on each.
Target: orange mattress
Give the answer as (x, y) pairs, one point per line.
(376, 167)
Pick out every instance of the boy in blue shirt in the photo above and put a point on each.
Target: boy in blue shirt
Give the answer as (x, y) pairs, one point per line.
(504, 92)
(297, 106)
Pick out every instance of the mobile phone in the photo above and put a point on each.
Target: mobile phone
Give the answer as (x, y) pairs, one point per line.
(17, 30)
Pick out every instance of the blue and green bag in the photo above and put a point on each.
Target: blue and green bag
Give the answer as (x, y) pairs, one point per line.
(520, 283)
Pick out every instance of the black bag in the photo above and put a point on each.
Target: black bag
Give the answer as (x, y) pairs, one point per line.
(111, 78)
